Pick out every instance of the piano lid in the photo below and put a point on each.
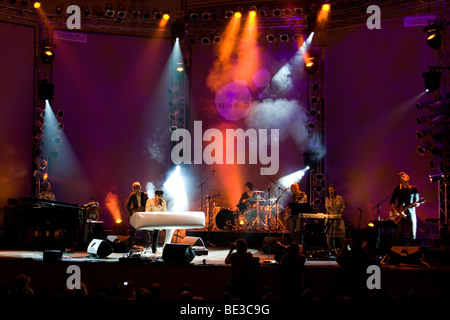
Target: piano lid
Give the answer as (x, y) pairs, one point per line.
(168, 219)
(28, 199)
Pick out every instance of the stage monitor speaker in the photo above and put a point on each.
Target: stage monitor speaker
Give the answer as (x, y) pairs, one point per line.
(197, 244)
(274, 247)
(193, 241)
(119, 243)
(99, 248)
(178, 253)
(409, 255)
(52, 255)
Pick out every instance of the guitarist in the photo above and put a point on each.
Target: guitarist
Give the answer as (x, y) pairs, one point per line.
(136, 203)
(402, 196)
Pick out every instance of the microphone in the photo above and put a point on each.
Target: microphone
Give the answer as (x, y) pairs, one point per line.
(287, 188)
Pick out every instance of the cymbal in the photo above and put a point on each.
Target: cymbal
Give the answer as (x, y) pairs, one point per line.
(257, 191)
(257, 200)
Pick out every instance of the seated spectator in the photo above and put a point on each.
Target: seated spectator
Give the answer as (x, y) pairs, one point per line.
(292, 272)
(242, 269)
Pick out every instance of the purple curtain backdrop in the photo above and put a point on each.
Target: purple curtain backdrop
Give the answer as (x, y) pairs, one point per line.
(113, 91)
(16, 105)
(373, 82)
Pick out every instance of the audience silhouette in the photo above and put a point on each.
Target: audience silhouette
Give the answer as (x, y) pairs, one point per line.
(243, 267)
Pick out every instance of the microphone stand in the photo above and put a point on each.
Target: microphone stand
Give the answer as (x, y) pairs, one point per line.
(276, 202)
(268, 223)
(201, 190)
(201, 203)
(359, 223)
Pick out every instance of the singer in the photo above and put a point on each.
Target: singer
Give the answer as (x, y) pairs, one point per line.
(335, 206)
(156, 204)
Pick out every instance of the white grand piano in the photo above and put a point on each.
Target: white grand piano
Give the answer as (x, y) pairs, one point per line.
(168, 221)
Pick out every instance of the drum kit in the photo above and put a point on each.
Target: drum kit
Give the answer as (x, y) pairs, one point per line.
(256, 214)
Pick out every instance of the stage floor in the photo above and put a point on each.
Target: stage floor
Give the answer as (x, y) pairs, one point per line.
(215, 257)
(208, 275)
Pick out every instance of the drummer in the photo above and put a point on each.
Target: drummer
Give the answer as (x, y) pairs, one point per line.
(247, 197)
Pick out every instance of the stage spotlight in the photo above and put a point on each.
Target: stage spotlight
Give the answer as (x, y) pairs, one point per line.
(47, 54)
(284, 38)
(60, 114)
(298, 11)
(59, 8)
(166, 15)
(206, 16)
(326, 7)
(121, 13)
(287, 12)
(144, 12)
(134, 13)
(421, 150)
(24, 3)
(205, 40)
(85, 10)
(98, 11)
(432, 80)
(237, 15)
(217, 39)
(194, 16)
(276, 12)
(36, 139)
(311, 65)
(423, 133)
(37, 5)
(270, 37)
(228, 14)
(59, 127)
(252, 12)
(262, 13)
(434, 37)
(109, 10)
(157, 15)
(57, 140)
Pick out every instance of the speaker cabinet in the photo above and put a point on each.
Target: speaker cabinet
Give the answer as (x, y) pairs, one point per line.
(178, 253)
(193, 241)
(197, 244)
(52, 255)
(408, 255)
(99, 248)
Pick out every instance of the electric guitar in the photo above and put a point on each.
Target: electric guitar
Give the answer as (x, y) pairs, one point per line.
(397, 216)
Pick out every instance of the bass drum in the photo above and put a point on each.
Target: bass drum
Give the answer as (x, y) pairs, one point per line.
(225, 219)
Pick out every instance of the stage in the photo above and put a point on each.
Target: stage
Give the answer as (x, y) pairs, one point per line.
(427, 277)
